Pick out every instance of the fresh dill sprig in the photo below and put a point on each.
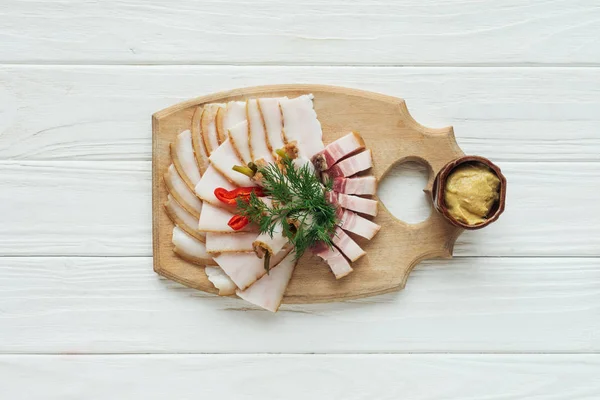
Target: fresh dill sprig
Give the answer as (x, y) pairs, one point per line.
(298, 204)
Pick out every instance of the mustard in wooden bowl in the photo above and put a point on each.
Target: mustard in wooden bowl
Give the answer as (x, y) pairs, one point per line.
(470, 192)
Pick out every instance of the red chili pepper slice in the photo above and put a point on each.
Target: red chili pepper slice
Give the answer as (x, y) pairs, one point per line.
(225, 196)
(229, 197)
(237, 222)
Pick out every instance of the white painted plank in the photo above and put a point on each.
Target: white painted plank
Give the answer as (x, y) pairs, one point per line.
(75, 208)
(309, 32)
(100, 208)
(119, 305)
(103, 113)
(348, 377)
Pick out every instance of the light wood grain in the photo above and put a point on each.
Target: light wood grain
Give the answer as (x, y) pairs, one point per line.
(391, 135)
(119, 305)
(100, 208)
(101, 113)
(456, 377)
(309, 32)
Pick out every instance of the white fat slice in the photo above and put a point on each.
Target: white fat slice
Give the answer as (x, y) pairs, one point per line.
(336, 261)
(271, 115)
(338, 149)
(184, 159)
(268, 291)
(209, 127)
(229, 116)
(351, 165)
(182, 218)
(353, 203)
(223, 159)
(357, 185)
(245, 268)
(259, 148)
(215, 219)
(229, 242)
(212, 179)
(189, 248)
(358, 225)
(220, 280)
(300, 124)
(332, 197)
(181, 192)
(346, 245)
(271, 244)
(238, 135)
(197, 141)
(358, 204)
(301, 161)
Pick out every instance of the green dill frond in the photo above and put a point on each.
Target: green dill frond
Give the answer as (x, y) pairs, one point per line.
(299, 205)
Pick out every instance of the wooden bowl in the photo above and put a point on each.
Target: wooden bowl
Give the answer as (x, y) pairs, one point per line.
(440, 183)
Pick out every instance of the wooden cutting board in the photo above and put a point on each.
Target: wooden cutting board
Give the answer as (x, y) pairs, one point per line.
(394, 137)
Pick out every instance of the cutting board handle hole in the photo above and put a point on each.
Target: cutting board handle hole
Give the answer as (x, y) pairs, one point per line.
(401, 191)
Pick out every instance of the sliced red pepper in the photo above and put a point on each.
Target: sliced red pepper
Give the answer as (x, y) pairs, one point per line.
(230, 197)
(237, 222)
(225, 196)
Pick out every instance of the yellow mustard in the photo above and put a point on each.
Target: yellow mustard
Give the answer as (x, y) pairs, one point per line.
(470, 193)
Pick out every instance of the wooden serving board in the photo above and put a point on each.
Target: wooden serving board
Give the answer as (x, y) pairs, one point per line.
(394, 137)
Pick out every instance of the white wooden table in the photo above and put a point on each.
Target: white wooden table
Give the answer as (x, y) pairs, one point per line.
(515, 315)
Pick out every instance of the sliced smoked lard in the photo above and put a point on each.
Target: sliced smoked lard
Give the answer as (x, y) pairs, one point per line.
(273, 121)
(223, 159)
(358, 225)
(215, 219)
(220, 280)
(182, 153)
(346, 245)
(232, 114)
(189, 248)
(300, 124)
(212, 179)
(238, 135)
(180, 217)
(209, 127)
(268, 291)
(353, 203)
(245, 268)
(351, 165)
(259, 148)
(267, 243)
(332, 197)
(229, 242)
(181, 192)
(336, 261)
(357, 185)
(338, 149)
(197, 140)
